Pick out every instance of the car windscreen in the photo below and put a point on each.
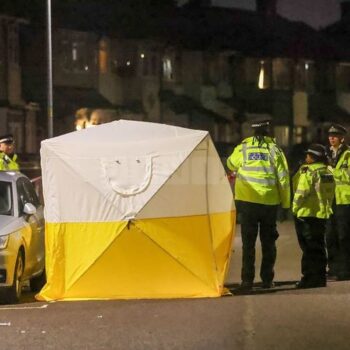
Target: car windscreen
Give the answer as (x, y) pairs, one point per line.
(5, 198)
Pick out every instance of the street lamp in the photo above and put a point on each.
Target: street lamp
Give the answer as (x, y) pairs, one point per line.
(49, 72)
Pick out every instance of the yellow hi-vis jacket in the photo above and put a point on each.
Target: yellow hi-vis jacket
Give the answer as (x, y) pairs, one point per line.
(262, 172)
(8, 163)
(314, 187)
(342, 179)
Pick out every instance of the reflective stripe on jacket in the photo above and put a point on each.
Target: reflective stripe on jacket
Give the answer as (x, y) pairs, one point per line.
(8, 163)
(342, 179)
(262, 172)
(313, 187)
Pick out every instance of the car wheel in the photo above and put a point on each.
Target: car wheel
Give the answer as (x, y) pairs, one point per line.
(13, 293)
(37, 282)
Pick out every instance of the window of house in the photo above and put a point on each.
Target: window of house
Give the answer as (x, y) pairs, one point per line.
(282, 135)
(252, 70)
(343, 77)
(264, 78)
(145, 65)
(258, 73)
(126, 60)
(3, 52)
(103, 57)
(74, 55)
(300, 76)
(304, 76)
(154, 65)
(282, 74)
(168, 73)
(300, 134)
(13, 44)
(310, 76)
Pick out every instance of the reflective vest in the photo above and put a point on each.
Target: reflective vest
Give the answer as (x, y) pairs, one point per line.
(8, 163)
(342, 178)
(262, 172)
(313, 187)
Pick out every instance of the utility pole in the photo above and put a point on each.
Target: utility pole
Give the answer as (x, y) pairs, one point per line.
(49, 73)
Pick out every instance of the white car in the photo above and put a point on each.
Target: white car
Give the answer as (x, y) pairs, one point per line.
(22, 240)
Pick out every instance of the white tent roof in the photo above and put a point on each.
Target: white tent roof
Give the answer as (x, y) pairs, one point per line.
(118, 166)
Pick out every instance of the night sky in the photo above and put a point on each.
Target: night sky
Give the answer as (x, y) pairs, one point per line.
(317, 13)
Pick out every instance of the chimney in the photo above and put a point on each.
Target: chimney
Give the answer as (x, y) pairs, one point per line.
(266, 7)
(345, 9)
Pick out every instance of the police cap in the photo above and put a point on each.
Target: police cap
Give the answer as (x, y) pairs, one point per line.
(316, 150)
(261, 124)
(337, 129)
(8, 138)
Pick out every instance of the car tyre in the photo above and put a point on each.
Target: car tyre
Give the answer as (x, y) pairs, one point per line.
(13, 293)
(37, 282)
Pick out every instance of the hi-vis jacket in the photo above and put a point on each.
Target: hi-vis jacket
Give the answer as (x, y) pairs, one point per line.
(8, 163)
(314, 186)
(341, 169)
(262, 172)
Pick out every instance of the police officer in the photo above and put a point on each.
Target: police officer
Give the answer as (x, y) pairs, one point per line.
(313, 188)
(8, 159)
(338, 230)
(262, 183)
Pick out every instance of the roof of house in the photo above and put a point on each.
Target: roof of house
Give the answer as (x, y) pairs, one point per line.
(250, 33)
(339, 31)
(209, 28)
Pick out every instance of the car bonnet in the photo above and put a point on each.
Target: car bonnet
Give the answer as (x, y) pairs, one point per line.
(9, 224)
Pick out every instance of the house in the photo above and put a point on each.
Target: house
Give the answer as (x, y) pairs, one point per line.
(203, 67)
(18, 115)
(260, 65)
(340, 72)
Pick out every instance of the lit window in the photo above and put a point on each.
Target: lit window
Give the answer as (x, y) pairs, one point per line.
(167, 69)
(75, 52)
(103, 57)
(264, 76)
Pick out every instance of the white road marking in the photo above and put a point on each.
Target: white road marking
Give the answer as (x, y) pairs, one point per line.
(24, 307)
(249, 342)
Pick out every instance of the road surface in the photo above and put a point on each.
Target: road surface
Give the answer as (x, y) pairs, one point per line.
(282, 318)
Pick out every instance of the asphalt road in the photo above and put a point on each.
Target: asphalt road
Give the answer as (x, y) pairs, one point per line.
(282, 318)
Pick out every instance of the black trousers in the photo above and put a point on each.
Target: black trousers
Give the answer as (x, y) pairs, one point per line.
(338, 240)
(311, 236)
(258, 218)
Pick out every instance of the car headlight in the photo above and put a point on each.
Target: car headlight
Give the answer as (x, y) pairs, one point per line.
(3, 241)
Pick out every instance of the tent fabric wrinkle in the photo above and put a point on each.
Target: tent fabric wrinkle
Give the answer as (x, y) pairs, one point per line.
(135, 210)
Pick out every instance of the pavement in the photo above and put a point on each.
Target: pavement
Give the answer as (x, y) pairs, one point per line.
(281, 318)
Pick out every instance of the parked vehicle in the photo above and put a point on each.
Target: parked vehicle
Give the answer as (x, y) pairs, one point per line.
(22, 241)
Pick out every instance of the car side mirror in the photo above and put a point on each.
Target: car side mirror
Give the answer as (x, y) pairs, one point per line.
(29, 209)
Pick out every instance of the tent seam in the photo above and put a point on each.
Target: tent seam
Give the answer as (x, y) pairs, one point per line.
(188, 155)
(209, 219)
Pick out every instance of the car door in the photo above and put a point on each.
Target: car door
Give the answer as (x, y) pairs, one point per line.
(33, 235)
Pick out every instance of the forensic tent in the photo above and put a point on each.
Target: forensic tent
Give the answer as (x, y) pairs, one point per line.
(135, 210)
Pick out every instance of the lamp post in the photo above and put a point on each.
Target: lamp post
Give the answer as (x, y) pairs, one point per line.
(49, 72)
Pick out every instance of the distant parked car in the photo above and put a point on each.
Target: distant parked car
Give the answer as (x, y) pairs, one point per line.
(22, 241)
